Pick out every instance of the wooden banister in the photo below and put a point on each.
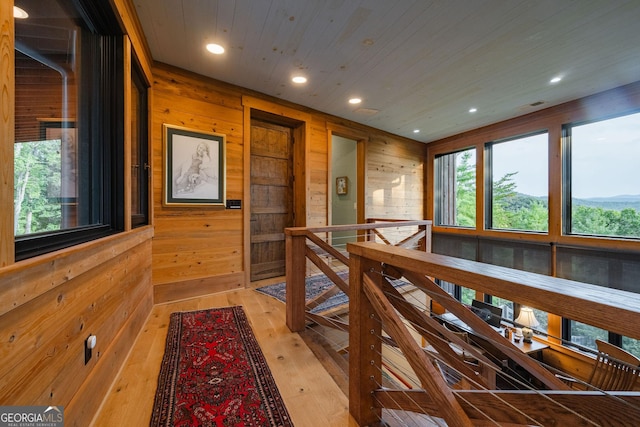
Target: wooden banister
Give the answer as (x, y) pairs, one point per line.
(298, 251)
(611, 309)
(375, 305)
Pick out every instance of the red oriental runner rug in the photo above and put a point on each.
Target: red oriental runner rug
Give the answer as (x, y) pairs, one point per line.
(214, 373)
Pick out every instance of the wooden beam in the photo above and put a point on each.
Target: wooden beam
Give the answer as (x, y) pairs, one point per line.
(611, 309)
(429, 376)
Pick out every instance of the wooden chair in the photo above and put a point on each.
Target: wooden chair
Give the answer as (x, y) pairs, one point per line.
(615, 368)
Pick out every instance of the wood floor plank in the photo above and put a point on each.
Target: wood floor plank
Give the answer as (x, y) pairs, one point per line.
(311, 396)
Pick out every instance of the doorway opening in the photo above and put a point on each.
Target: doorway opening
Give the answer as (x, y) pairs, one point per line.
(344, 180)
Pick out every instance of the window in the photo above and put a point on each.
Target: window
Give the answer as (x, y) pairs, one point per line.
(604, 178)
(69, 125)
(456, 189)
(139, 149)
(518, 183)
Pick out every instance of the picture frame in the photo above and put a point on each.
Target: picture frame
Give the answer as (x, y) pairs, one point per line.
(342, 185)
(194, 167)
(64, 130)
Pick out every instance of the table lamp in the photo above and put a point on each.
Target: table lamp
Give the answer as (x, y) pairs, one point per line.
(528, 320)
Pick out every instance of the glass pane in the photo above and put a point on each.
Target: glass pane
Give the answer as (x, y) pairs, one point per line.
(631, 345)
(505, 305)
(456, 189)
(520, 170)
(467, 295)
(47, 150)
(605, 178)
(586, 335)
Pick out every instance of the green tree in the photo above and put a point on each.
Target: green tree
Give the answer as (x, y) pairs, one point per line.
(465, 191)
(37, 187)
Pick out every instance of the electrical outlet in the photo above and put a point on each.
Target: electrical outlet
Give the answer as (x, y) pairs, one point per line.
(89, 345)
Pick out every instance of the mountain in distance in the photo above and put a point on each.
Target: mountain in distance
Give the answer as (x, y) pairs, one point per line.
(618, 203)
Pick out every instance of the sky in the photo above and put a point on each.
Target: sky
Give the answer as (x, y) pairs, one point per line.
(605, 162)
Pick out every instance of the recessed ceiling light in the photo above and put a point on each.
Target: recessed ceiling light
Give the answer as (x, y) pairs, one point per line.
(216, 49)
(473, 109)
(416, 131)
(19, 13)
(299, 79)
(555, 79)
(355, 101)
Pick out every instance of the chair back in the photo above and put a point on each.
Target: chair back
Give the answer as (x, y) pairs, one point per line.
(615, 368)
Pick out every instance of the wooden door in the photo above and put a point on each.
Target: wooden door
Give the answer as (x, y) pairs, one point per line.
(271, 197)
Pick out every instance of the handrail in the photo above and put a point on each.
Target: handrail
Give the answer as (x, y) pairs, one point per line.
(370, 308)
(304, 243)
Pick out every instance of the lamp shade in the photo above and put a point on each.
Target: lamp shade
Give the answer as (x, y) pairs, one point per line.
(527, 318)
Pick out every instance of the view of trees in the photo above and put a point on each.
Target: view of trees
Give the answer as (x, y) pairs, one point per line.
(37, 187)
(516, 211)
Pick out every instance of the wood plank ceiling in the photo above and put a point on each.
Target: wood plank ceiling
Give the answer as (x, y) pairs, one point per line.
(415, 64)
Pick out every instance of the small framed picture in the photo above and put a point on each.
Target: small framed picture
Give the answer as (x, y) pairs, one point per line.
(342, 185)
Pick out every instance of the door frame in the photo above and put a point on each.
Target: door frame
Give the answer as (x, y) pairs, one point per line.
(300, 123)
(362, 140)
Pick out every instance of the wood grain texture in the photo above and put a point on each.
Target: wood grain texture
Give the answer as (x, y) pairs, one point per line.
(180, 253)
(614, 310)
(7, 129)
(193, 244)
(50, 306)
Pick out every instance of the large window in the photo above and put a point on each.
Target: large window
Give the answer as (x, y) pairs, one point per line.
(518, 183)
(68, 180)
(456, 189)
(602, 167)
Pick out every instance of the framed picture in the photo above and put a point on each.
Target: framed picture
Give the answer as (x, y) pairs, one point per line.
(64, 133)
(194, 167)
(342, 185)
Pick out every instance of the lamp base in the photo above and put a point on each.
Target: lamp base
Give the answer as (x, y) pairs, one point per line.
(527, 335)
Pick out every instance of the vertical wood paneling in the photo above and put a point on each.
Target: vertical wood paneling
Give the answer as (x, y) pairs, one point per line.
(7, 114)
(394, 184)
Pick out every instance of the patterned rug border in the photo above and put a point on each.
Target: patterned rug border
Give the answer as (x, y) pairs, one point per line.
(314, 286)
(164, 401)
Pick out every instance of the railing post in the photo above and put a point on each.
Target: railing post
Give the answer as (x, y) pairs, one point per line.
(365, 347)
(295, 279)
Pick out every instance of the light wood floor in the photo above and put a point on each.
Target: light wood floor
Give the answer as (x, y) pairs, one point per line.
(311, 396)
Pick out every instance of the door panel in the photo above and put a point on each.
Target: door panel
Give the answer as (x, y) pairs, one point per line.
(271, 197)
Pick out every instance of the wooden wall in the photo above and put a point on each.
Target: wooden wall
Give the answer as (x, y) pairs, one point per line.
(50, 304)
(199, 250)
(394, 183)
(7, 131)
(196, 250)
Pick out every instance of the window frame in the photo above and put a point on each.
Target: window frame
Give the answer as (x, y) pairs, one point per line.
(140, 217)
(438, 187)
(567, 176)
(489, 187)
(101, 118)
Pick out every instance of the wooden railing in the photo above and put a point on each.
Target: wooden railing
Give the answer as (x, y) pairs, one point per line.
(314, 245)
(375, 306)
